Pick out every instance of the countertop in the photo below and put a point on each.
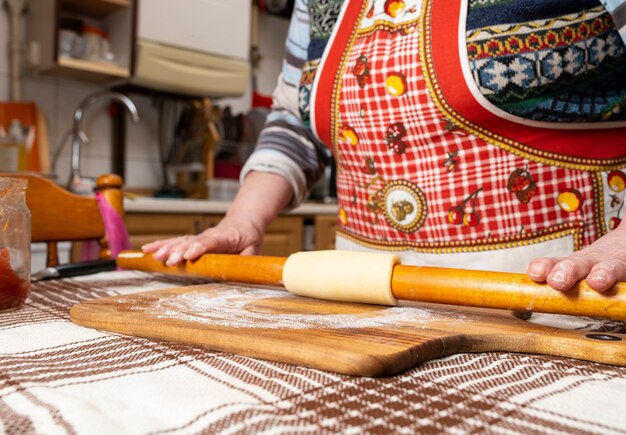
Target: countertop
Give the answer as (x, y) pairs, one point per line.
(162, 205)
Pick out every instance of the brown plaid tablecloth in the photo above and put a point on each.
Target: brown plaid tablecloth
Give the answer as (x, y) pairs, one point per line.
(56, 377)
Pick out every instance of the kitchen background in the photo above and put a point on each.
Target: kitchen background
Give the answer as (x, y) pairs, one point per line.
(57, 98)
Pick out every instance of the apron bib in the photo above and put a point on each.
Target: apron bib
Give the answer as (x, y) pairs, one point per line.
(426, 164)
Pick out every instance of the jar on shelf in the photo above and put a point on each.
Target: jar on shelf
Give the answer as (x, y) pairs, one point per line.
(68, 41)
(14, 243)
(92, 43)
(106, 51)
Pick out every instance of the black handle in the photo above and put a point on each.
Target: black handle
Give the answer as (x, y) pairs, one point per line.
(85, 268)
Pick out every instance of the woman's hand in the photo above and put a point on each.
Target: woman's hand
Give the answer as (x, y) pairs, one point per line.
(260, 198)
(602, 264)
(230, 236)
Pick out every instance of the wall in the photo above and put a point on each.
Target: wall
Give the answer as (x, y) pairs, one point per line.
(57, 99)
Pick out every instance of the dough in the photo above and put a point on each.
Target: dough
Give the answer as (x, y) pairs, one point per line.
(347, 276)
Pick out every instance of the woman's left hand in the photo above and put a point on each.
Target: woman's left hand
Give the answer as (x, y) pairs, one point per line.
(602, 264)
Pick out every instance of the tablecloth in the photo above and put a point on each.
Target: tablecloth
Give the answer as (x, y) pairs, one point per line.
(59, 378)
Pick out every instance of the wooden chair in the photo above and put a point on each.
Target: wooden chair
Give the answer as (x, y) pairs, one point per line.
(58, 215)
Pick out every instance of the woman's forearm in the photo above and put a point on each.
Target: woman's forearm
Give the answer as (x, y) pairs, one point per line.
(260, 198)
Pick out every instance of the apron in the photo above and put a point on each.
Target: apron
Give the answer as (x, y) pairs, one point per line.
(429, 168)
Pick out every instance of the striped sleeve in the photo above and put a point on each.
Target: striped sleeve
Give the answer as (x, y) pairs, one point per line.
(286, 146)
(617, 9)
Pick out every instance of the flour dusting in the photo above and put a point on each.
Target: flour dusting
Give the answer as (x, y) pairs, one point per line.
(231, 307)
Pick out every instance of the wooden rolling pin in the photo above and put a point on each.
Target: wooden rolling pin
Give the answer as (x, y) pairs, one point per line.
(500, 290)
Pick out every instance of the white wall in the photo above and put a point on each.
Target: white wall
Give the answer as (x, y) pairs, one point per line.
(57, 99)
(4, 57)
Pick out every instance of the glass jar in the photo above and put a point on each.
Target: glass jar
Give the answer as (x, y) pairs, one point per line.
(92, 41)
(14, 243)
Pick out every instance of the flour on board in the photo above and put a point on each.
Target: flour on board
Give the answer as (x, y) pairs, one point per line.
(230, 307)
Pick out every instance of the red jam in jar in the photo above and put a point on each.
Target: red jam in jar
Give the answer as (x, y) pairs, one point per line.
(14, 243)
(13, 289)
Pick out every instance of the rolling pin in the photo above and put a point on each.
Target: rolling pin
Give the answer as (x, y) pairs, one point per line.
(339, 269)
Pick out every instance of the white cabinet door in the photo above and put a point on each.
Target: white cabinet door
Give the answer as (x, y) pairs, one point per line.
(220, 27)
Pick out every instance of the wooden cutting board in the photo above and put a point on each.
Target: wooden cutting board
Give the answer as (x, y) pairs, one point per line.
(348, 338)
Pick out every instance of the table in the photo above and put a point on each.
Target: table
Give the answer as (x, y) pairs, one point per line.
(56, 377)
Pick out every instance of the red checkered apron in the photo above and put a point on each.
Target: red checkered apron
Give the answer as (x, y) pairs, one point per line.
(424, 165)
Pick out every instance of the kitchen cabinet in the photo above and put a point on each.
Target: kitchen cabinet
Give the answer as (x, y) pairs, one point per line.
(325, 226)
(89, 40)
(219, 27)
(195, 47)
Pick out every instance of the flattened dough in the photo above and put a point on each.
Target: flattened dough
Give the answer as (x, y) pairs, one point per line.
(346, 276)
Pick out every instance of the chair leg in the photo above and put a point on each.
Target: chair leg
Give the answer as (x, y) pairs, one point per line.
(105, 252)
(52, 257)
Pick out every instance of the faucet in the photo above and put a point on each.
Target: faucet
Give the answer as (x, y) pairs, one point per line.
(77, 183)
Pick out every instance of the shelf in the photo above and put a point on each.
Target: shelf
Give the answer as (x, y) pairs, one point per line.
(89, 70)
(94, 8)
(44, 22)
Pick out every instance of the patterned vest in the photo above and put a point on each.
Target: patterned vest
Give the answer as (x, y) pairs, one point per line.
(405, 96)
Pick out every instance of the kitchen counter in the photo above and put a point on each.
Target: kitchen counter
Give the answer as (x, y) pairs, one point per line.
(183, 206)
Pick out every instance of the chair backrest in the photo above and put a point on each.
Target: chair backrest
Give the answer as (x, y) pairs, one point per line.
(58, 215)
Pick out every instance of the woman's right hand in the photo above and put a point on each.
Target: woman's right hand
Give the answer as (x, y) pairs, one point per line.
(261, 196)
(230, 236)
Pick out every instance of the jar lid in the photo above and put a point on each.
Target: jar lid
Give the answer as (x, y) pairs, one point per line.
(92, 29)
(13, 183)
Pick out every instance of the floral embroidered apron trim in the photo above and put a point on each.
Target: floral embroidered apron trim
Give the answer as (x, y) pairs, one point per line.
(574, 229)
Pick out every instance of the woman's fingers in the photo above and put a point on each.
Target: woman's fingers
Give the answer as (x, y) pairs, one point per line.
(162, 249)
(195, 249)
(560, 273)
(568, 272)
(153, 246)
(175, 255)
(192, 247)
(228, 238)
(212, 241)
(605, 274)
(170, 250)
(563, 273)
(539, 268)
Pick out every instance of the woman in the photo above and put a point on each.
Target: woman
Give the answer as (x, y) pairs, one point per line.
(480, 135)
